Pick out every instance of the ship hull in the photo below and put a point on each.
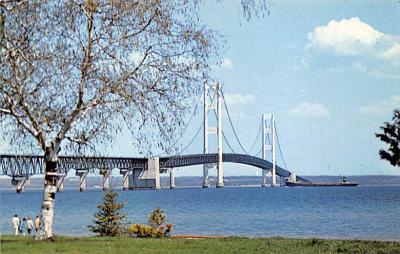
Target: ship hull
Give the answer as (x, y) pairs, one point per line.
(321, 184)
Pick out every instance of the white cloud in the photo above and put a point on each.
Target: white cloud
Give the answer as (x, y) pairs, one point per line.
(307, 109)
(392, 53)
(345, 37)
(227, 64)
(382, 107)
(371, 52)
(234, 99)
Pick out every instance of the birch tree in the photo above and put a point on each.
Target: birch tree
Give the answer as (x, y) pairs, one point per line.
(75, 73)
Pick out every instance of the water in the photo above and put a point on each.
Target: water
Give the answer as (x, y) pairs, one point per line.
(361, 212)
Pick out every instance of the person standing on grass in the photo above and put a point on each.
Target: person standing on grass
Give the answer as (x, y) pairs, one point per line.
(29, 225)
(22, 226)
(37, 224)
(15, 224)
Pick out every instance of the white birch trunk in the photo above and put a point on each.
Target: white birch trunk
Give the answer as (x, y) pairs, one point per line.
(49, 193)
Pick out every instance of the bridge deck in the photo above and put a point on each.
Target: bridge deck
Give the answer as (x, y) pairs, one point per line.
(27, 165)
(198, 159)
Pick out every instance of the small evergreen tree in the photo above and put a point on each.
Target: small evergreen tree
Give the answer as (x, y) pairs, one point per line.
(156, 218)
(391, 136)
(109, 219)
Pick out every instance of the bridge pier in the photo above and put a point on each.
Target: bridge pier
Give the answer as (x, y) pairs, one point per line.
(125, 178)
(220, 176)
(106, 178)
(265, 173)
(20, 183)
(264, 178)
(273, 177)
(147, 178)
(171, 179)
(60, 182)
(82, 173)
(206, 179)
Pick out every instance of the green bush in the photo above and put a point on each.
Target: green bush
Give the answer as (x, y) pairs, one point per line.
(155, 227)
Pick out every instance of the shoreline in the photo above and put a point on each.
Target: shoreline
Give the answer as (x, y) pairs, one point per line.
(199, 236)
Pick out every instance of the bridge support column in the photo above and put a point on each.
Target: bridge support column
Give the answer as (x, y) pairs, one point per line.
(82, 173)
(60, 182)
(206, 180)
(20, 183)
(268, 130)
(106, 178)
(264, 178)
(220, 171)
(273, 172)
(171, 179)
(273, 176)
(220, 174)
(147, 178)
(210, 104)
(125, 178)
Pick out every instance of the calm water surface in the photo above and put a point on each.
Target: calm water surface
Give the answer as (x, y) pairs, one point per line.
(360, 212)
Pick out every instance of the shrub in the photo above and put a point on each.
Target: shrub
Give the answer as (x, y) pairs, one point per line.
(155, 227)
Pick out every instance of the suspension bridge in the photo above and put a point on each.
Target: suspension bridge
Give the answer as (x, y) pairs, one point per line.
(144, 173)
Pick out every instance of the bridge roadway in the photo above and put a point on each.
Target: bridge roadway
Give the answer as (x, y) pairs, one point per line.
(27, 165)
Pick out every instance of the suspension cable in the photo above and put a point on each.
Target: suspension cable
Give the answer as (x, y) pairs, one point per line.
(199, 129)
(255, 140)
(187, 125)
(233, 128)
(259, 153)
(279, 146)
(226, 140)
(191, 141)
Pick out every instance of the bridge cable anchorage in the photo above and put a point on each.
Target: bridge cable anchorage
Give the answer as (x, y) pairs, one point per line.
(187, 125)
(279, 147)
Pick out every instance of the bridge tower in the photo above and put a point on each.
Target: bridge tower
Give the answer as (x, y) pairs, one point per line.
(268, 145)
(209, 105)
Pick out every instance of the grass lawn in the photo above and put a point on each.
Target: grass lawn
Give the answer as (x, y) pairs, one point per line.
(120, 245)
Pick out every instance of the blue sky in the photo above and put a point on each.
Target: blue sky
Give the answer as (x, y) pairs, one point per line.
(328, 70)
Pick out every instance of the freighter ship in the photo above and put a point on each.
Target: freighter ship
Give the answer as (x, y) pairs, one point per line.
(342, 183)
